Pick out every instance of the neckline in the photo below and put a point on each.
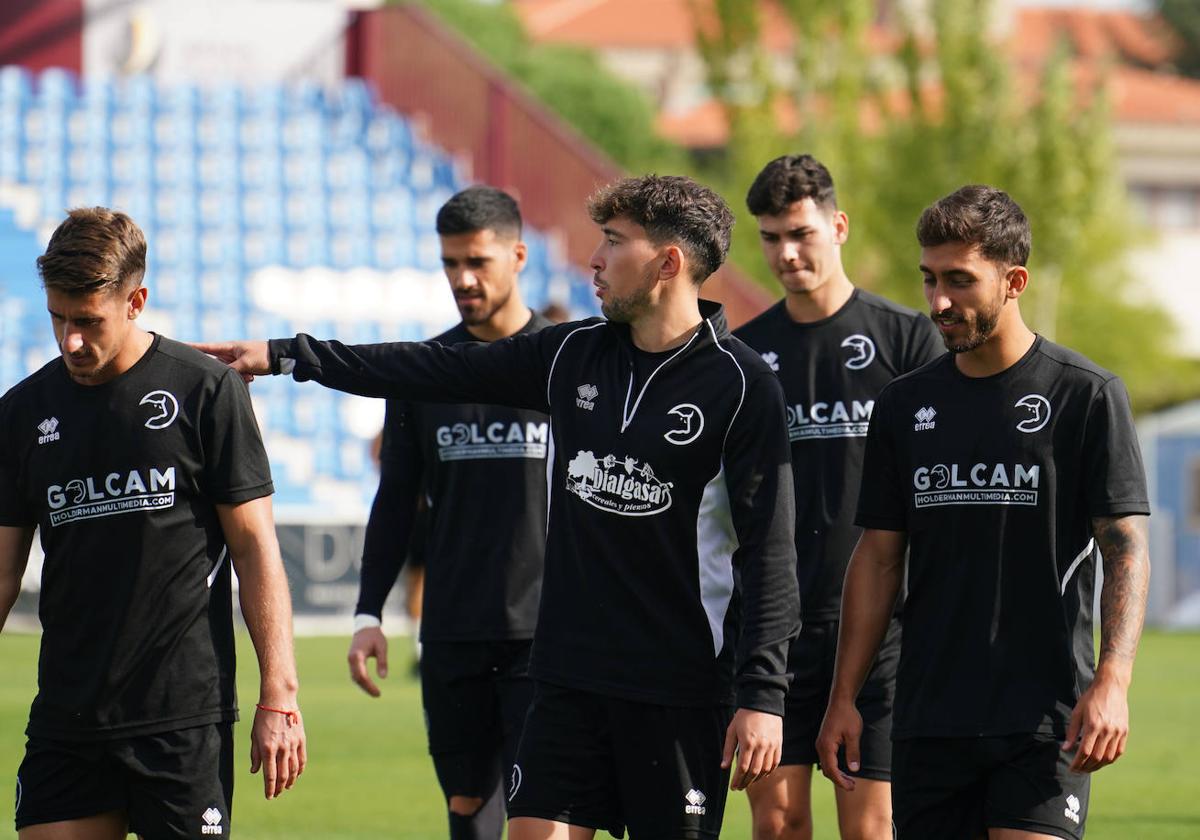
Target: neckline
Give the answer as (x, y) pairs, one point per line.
(1011, 370)
(106, 386)
(828, 319)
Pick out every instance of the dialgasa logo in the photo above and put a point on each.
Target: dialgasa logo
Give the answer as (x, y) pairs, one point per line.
(587, 396)
(618, 485)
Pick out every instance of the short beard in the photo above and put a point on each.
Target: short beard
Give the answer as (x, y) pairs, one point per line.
(979, 331)
(623, 310)
(486, 312)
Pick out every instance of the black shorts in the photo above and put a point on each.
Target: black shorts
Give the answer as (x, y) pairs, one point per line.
(811, 659)
(606, 763)
(170, 784)
(955, 788)
(476, 696)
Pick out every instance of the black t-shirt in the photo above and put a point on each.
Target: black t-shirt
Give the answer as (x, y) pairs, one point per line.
(121, 479)
(831, 371)
(483, 469)
(996, 481)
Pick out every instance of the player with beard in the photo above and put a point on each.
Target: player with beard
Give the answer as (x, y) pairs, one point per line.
(1010, 468)
(483, 549)
(139, 462)
(669, 596)
(834, 347)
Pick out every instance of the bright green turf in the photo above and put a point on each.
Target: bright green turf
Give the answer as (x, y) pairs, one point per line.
(370, 777)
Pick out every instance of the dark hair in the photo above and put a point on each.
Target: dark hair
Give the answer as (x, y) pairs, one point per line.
(978, 215)
(789, 179)
(672, 209)
(479, 208)
(94, 249)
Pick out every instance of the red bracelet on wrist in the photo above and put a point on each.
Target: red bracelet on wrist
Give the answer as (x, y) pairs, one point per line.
(293, 716)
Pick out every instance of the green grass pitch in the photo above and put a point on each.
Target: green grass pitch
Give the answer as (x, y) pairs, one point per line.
(369, 775)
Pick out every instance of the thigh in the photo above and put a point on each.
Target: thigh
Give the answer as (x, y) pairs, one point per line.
(669, 769)
(60, 781)
(109, 826)
(565, 770)
(458, 691)
(514, 689)
(180, 782)
(938, 789)
(1033, 790)
(808, 695)
(875, 705)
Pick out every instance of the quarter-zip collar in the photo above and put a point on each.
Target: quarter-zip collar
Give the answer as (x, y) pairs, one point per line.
(711, 329)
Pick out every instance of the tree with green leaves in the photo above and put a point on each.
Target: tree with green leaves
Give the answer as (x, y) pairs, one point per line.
(1183, 16)
(899, 131)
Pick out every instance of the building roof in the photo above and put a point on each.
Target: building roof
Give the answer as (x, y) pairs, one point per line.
(1133, 51)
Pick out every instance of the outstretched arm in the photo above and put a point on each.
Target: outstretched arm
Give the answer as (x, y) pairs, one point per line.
(1100, 722)
(14, 554)
(277, 741)
(512, 371)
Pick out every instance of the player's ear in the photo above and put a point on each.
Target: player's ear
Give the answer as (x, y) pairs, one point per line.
(841, 227)
(520, 254)
(137, 302)
(672, 263)
(1016, 279)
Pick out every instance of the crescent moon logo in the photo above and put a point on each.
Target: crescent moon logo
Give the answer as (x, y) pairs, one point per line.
(864, 351)
(167, 405)
(692, 420)
(1039, 413)
(515, 782)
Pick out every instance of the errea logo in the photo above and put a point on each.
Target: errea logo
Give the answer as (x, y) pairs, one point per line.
(212, 822)
(695, 802)
(587, 396)
(49, 430)
(1071, 812)
(925, 419)
(772, 359)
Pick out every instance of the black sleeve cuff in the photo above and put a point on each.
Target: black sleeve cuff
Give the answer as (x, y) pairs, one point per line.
(761, 698)
(279, 349)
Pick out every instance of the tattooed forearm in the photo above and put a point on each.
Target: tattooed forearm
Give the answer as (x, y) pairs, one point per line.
(1125, 551)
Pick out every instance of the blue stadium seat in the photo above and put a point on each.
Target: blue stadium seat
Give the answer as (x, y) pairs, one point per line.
(227, 181)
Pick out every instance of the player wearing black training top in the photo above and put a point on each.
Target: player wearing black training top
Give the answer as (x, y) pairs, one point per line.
(139, 461)
(483, 469)
(669, 595)
(1010, 467)
(833, 347)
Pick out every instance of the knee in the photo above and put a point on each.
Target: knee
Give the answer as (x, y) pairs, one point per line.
(782, 824)
(465, 806)
(867, 826)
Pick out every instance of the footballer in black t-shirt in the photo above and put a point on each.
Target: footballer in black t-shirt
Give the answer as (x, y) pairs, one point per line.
(482, 470)
(833, 347)
(139, 462)
(1009, 468)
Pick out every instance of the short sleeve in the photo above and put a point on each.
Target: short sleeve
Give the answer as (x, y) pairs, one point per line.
(235, 465)
(1114, 477)
(924, 343)
(881, 500)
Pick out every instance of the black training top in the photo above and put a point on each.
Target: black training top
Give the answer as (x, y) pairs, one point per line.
(121, 479)
(831, 371)
(483, 469)
(670, 565)
(996, 480)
